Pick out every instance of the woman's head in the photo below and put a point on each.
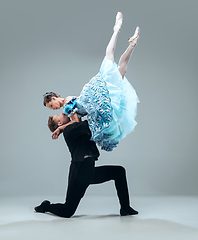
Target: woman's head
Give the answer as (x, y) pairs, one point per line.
(52, 100)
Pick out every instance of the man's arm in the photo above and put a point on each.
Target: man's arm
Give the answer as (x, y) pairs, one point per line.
(60, 129)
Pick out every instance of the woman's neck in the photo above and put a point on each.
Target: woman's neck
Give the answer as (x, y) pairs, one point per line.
(62, 101)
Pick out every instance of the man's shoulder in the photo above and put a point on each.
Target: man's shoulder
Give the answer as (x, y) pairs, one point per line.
(76, 126)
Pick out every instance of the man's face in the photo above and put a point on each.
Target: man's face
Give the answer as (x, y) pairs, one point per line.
(61, 119)
(53, 104)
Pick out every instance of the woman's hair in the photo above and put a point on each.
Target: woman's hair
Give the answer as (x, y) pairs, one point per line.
(51, 124)
(47, 97)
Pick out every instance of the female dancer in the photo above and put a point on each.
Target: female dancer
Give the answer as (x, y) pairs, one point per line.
(108, 99)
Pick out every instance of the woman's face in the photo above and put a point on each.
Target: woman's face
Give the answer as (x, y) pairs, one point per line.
(54, 103)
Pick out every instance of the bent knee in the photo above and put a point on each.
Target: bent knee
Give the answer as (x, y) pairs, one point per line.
(120, 170)
(68, 213)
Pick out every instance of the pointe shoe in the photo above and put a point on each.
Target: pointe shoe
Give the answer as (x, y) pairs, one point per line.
(118, 22)
(134, 39)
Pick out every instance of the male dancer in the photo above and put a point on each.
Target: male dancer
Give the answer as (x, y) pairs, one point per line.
(83, 172)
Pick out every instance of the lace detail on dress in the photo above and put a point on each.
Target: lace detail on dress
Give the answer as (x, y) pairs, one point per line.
(96, 101)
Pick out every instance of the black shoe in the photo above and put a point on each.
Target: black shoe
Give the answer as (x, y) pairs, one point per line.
(43, 207)
(129, 211)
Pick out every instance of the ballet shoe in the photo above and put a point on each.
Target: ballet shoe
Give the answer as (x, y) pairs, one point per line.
(134, 39)
(129, 211)
(43, 207)
(118, 22)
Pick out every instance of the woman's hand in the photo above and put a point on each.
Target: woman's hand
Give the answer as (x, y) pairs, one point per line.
(56, 133)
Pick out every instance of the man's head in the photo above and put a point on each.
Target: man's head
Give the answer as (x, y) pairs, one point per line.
(57, 120)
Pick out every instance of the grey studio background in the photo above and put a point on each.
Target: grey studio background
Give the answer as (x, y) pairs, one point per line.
(58, 46)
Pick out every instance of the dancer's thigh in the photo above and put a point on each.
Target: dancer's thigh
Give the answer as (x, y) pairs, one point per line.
(80, 177)
(104, 174)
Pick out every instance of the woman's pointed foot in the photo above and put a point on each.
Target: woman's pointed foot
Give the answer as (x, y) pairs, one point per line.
(134, 39)
(118, 22)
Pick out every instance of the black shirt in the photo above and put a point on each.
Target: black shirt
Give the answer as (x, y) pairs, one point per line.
(77, 137)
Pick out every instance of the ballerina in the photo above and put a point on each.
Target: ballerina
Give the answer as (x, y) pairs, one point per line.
(108, 99)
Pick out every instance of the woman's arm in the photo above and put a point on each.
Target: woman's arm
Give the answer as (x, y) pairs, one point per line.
(75, 118)
(60, 129)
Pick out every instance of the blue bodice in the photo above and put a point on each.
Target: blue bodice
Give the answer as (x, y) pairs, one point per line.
(72, 106)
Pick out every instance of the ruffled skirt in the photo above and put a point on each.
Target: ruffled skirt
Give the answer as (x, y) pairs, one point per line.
(111, 106)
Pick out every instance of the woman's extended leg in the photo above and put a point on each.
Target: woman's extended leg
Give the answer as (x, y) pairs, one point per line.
(127, 54)
(112, 43)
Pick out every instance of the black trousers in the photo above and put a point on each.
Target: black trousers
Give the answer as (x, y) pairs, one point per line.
(81, 175)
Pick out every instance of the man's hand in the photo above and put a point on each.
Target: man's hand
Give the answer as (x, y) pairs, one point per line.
(56, 133)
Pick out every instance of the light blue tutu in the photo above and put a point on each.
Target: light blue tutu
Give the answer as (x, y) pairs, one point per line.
(111, 106)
